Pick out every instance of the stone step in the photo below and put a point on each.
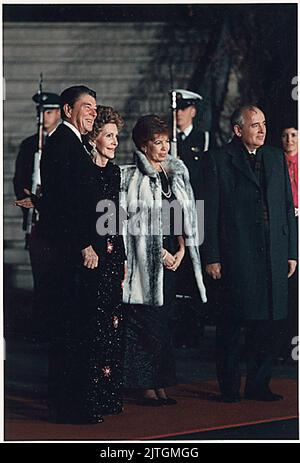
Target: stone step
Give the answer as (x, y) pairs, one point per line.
(19, 276)
(16, 244)
(46, 31)
(9, 209)
(58, 70)
(12, 229)
(16, 51)
(8, 186)
(81, 41)
(20, 90)
(17, 257)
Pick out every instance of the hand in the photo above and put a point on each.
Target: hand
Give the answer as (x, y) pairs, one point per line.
(168, 259)
(90, 258)
(26, 202)
(214, 271)
(292, 264)
(178, 259)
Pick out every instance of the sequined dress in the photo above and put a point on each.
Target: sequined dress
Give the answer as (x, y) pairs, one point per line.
(89, 371)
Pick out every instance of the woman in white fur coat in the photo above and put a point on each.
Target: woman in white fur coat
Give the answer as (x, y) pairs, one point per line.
(156, 239)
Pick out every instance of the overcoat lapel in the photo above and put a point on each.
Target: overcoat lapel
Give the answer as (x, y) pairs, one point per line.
(239, 160)
(268, 160)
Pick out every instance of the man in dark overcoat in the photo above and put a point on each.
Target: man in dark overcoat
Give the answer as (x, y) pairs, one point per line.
(250, 246)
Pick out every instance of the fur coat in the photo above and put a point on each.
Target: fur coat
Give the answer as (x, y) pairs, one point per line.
(143, 235)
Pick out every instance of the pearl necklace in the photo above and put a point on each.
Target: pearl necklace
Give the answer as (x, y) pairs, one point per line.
(169, 192)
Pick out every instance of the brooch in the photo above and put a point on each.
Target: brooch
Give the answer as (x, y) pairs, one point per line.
(109, 247)
(106, 371)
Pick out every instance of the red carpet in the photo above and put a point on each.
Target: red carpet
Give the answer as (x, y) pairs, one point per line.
(197, 410)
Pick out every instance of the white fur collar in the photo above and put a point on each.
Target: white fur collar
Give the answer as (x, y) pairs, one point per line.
(172, 165)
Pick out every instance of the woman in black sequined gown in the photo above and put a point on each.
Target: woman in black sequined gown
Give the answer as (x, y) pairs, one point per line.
(90, 379)
(103, 336)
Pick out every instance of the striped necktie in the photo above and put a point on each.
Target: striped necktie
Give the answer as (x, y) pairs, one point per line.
(87, 151)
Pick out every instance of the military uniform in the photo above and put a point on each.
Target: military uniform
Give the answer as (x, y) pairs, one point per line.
(192, 143)
(24, 168)
(191, 150)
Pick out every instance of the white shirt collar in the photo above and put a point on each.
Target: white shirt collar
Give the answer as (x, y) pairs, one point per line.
(52, 131)
(250, 151)
(186, 131)
(75, 130)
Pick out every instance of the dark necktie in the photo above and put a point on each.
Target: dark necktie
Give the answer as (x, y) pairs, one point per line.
(252, 159)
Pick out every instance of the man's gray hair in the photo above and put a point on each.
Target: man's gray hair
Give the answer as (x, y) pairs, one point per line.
(237, 117)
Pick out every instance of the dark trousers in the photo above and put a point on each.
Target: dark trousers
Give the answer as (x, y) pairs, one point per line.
(262, 344)
(293, 314)
(46, 278)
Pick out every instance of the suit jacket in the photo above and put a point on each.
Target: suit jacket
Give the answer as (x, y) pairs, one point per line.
(235, 232)
(191, 152)
(63, 214)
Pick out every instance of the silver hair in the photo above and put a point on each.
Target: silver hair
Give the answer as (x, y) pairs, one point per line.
(237, 117)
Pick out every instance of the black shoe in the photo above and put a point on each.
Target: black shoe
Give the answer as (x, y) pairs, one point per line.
(167, 401)
(230, 398)
(147, 402)
(265, 396)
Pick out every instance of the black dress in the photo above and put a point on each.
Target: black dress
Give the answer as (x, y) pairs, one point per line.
(149, 356)
(88, 378)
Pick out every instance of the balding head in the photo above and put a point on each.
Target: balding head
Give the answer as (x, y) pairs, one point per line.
(249, 125)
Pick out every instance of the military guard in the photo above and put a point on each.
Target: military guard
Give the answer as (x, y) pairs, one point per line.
(25, 159)
(25, 176)
(192, 141)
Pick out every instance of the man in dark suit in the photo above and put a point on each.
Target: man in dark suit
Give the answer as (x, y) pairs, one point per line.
(250, 246)
(65, 164)
(64, 167)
